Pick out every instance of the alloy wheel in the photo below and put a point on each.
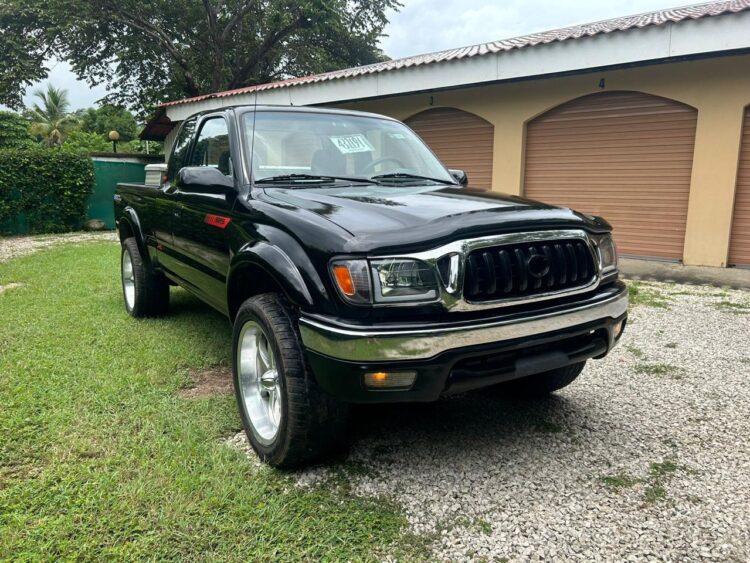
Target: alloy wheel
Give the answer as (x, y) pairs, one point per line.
(259, 382)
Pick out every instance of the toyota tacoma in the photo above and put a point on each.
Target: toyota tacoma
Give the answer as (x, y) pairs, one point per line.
(355, 268)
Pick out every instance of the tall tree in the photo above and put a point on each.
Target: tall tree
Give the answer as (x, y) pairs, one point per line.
(25, 46)
(51, 121)
(148, 52)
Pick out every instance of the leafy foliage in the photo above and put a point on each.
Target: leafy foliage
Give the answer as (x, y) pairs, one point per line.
(138, 146)
(52, 121)
(14, 130)
(94, 125)
(148, 52)
(50, 187)
(108, 118)
(87, 142)
(25, 46)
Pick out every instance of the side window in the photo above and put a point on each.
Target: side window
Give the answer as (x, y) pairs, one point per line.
(212, 146)
(181, 145)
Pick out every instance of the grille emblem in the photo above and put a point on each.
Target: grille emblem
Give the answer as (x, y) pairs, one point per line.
(537, 265)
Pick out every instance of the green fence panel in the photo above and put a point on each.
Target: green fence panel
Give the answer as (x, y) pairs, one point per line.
(108, 175)
(17, 225)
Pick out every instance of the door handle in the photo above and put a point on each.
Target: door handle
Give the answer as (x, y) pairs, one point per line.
(177, 213)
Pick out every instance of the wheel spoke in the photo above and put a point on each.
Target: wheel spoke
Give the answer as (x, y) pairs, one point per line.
(273, 400)
(277, 404)
(266, 357)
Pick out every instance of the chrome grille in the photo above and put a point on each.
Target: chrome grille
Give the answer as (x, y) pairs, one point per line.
(527, 269)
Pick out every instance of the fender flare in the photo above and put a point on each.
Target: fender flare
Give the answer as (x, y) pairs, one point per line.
(278, 265)
(130, 217)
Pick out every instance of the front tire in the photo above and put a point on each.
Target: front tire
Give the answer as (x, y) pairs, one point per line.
(146, 294)
(288, 419)
(542, 384)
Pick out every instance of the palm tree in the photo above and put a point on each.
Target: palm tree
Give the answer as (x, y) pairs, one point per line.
(52, 121)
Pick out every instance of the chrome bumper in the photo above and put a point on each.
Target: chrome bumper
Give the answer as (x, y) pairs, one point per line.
(358, 344)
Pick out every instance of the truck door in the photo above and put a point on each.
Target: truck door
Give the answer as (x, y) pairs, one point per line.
(201, 223)
(167, 208)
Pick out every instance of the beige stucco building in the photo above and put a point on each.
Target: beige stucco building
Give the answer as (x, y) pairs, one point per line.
(642, 119)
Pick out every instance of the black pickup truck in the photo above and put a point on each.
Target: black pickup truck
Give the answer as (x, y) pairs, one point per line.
(356, 268)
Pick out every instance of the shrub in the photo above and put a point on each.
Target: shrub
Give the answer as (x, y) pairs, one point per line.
(82, 141)
(50, 187)
(14, 130)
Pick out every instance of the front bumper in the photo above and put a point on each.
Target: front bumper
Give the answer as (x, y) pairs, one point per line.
(463, 355)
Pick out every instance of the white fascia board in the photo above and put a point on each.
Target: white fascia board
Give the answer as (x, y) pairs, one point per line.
(358, 87)
(471, 70)
(709, 35)
(691, 37)
(637, 45)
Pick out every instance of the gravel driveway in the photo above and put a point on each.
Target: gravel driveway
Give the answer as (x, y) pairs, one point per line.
(646, 456)
(13, 247)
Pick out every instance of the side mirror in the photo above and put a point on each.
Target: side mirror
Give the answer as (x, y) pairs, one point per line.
(460, 177)
(204, 180)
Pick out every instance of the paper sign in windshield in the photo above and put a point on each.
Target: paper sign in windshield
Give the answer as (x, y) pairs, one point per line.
(348, 144)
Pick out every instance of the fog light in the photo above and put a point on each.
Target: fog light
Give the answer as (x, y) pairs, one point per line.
(390, 380)
(617, 330)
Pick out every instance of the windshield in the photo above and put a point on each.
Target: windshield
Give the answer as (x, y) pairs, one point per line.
(301, 145)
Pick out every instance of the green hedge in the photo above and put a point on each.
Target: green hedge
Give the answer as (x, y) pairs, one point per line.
(47, 189)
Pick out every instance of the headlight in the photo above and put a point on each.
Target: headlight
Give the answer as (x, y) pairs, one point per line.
(397, 280)
(607, 249)
(391, 280)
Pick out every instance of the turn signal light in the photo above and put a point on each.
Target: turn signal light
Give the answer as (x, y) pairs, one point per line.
(344, 279)
(390, 380)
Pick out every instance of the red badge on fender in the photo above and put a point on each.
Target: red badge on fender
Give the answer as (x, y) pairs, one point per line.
(217, 221)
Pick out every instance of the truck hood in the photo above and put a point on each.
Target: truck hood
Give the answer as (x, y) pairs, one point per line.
(378, 216)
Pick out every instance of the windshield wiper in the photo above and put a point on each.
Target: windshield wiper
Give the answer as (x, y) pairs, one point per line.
(287, 178)
(407, 176)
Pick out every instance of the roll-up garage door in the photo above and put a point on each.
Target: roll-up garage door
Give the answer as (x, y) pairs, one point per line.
(739, 243)
(460, 139)
(626, 156)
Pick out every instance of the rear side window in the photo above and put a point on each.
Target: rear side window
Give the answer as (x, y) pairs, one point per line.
(212, 146)
(181, 146)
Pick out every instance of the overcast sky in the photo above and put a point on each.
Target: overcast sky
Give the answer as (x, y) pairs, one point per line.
(423, 26)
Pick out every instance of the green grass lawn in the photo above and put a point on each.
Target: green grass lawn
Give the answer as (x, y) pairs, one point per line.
(100, 458)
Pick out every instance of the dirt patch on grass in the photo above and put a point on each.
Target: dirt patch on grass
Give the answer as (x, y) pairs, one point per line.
(208, 382)
(9, 473)
(7, 286)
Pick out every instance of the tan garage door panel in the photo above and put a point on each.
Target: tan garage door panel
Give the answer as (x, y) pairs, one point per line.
(460, 139)
(739, 245)
(625, 156)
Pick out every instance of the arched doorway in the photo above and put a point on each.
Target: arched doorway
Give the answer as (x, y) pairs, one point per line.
(626, 156)
(460, 139)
